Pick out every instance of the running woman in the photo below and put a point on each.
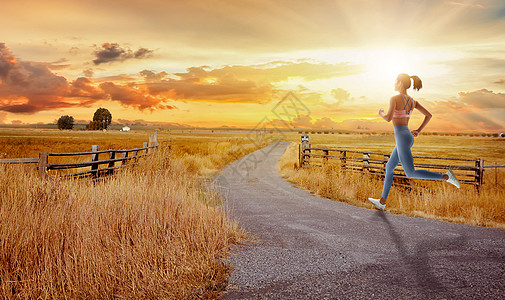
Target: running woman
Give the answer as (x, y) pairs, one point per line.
(400, 110)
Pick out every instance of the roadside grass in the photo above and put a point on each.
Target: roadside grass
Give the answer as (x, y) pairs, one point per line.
(151, 231)
(437, 200)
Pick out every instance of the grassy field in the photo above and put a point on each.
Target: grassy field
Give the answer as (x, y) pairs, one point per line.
(155, 230)
(427, 199)
(151, 231)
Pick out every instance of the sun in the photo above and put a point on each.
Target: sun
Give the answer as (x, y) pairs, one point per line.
(386, 64)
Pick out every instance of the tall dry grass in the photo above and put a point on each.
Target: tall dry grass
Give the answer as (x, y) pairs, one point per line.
(152, 231)
(437, 200)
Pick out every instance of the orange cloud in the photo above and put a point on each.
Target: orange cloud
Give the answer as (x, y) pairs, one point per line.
(30, 87)
(483, 99)
(3, 116)
(194, 86)
(134, 97)
(239, 84)
(476, 110)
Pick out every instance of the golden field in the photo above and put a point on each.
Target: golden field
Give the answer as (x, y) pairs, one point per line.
(150, 231)
(157, 231)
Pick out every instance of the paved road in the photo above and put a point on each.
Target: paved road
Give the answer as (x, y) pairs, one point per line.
(309, 247)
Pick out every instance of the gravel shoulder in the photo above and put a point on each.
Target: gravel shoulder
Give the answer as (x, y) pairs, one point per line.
(308, 247)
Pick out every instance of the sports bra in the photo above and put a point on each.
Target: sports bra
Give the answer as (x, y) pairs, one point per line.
(404, 113)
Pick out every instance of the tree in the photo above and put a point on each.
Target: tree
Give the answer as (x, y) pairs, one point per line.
(66, 122)
(95, 125)
(102, 115)
(101, 119)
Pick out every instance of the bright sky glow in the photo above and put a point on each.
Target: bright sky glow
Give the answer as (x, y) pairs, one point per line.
(216, 63)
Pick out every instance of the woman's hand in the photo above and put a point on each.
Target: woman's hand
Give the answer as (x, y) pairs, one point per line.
(381, 112)
(415, 132)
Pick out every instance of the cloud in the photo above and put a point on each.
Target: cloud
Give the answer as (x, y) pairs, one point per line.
(142, 122)
(476, 110)
(473, 120)
(483, 99)
(84, 88)
(150, 76)
(326, 123)
(340, 95)
(7, 61)
(276, 71)
(88, 72)
(3, 116)
(111, 52)
(29, 87)
(470, 5)
(239, 84)
(200, 86)
(134, 97)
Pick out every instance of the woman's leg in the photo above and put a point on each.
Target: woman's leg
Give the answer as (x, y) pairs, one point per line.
(404, 142)
(390, 168)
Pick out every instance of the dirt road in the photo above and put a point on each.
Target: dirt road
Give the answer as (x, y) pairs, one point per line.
(313, 248)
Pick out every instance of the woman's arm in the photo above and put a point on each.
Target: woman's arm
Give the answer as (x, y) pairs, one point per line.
(427, 118)
(389, 116)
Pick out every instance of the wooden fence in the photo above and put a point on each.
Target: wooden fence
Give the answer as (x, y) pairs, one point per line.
(468, 171)
(127, 156)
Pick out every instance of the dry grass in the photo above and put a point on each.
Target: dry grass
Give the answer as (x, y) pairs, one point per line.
(435, 200)
(152, 231)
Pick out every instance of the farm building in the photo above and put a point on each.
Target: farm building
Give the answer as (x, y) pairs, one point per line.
(125, 128)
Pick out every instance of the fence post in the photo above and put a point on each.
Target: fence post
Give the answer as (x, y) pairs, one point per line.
(94, 157)
(479, 172)
(299, 155)
(325, 153)
(112, 155)
(305, 148)
(150, 144)
(135, 158)
(43, 162)
(306, 155)
(343, 155)
(366, 162)
(124, 156)
(155, 138)
(144, 145)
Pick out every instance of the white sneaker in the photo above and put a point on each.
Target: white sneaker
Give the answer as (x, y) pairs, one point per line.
(377, 203)
(452, 178)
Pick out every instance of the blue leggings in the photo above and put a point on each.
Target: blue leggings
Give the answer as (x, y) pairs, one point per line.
(401, 153)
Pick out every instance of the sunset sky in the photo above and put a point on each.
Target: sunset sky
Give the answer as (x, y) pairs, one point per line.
(211, 63)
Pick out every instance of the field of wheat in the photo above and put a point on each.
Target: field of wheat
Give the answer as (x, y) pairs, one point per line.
(428, 199)
(155, 230)
(158, 230)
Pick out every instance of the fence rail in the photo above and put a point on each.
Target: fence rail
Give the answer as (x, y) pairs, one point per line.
(127, 155)
(362, 161)
(19, 160)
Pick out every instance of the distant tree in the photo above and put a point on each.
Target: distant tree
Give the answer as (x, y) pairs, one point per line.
(104, 116)
(101, 120)
(96, 125)
(66, 122)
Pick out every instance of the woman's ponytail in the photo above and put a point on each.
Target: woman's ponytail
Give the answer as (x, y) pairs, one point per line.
(418, 84)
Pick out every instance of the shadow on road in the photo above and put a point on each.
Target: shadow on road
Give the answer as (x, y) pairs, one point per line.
(417, 261)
